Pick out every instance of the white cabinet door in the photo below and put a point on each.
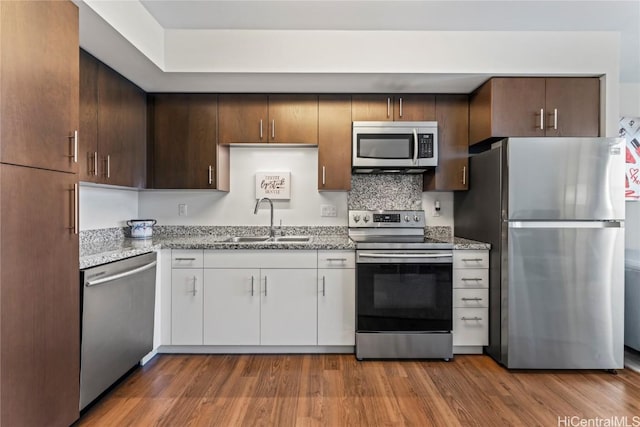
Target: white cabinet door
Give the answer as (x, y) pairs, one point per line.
(231, 306)
(336, 306)
(289, 307)
(186, 306)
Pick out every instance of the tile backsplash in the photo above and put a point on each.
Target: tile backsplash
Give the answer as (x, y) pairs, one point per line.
(399, 192)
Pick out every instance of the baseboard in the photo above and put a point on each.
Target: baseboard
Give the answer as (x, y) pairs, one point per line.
(257, 349)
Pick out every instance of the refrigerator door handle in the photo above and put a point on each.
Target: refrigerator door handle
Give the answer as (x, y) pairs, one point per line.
(566, 224)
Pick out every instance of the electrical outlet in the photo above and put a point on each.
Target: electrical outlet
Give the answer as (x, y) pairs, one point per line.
(182, 209)
(436, 208)
(328, 210)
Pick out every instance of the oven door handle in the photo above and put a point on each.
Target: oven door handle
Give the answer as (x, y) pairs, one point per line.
(417, 255)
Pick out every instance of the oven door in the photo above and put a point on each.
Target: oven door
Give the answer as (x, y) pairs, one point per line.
(404, 291)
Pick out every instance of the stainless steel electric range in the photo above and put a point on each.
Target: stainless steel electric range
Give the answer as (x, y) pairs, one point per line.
(403, 287)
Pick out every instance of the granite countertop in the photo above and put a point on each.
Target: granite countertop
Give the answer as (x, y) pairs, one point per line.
(103, 246)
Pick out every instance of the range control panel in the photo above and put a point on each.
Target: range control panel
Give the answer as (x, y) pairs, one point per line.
(386, 219)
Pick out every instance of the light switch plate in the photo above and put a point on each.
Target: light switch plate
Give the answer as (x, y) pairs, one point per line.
(182, 209)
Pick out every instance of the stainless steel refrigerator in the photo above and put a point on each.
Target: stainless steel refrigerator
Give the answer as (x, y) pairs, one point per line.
(553, 211)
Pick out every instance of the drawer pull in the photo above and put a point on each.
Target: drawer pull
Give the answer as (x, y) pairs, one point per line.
(184, 259)
(337, 259)
(471, 318)
(471, 279)
(471, 259)
(471, 299)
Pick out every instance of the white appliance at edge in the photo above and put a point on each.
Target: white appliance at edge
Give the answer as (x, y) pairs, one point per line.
(553, 210)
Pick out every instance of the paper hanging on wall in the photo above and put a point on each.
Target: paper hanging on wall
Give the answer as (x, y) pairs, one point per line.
(630, 131)
(274, 185)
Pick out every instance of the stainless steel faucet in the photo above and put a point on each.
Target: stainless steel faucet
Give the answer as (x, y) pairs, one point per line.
(272, 230)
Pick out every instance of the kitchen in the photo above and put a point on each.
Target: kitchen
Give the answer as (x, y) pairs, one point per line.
(461, 67)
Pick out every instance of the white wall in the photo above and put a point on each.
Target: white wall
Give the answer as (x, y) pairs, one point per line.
(106, 207)
(206, 207)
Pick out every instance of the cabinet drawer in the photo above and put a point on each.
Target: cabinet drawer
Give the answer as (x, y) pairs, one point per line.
(336, 259)
(186, 258)
(470, 326)
(265, 258)
(470, 298)
(470, 259)
(470, 278)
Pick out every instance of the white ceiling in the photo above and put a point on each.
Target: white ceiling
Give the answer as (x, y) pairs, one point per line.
(101, 39)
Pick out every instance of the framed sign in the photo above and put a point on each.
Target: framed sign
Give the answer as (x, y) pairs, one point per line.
(630, 131)
(274, 185)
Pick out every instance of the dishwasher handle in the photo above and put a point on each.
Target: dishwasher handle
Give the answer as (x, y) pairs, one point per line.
(121, 275)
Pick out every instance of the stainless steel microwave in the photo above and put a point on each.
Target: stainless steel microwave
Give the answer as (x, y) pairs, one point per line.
(394, 147)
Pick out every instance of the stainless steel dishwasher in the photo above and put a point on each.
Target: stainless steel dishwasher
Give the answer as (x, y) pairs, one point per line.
(117, 309)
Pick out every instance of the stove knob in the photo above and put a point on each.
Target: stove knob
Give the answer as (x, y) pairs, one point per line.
(406, 218)
(416, 218)
(366, 218)
(356, 218)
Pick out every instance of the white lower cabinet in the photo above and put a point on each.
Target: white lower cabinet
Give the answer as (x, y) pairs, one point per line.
(263, 298)
(232, 307)
(288, 307)
(186, 306)
(470, 300)
(260, 306)
(336, 298)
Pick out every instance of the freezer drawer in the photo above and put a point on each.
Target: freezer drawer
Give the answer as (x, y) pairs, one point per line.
(565, 291)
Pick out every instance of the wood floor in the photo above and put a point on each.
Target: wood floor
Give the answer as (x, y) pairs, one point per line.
(337, 390)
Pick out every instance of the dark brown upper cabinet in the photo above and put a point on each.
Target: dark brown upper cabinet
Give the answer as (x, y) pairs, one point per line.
(268, 118)
(452, 114)
(334, 142)
(39, 96)
(113, 126)
(185, 149)
(377, 107)
(535, 106)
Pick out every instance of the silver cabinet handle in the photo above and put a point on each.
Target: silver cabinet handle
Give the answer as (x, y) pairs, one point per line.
(121, 275)
(464, 175)
(324, 175)
(471, 259)
(542, 119)
(471, 318)
(195, 290)
(108, 166)
(388, 107)
(74, 221)
(471, 279)
(555, 119)
(260, 128)
(265, 286)
(323, 285)
(400, 107)
(471, 299)
(273, 129)
(337, 259)
(252, 279)
(210, 174)
(95, 163)
(74, 154)
(184, 259)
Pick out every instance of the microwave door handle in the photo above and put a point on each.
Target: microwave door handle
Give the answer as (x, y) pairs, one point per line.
(415, 146)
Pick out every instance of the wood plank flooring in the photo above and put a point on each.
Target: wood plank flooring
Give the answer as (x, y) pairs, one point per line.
(337, 390)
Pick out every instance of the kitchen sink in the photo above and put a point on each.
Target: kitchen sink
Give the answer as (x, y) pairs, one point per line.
(248, 239)
(292, 239)
(267, 239)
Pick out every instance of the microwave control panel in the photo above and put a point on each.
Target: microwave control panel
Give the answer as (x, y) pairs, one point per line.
(425, 146)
